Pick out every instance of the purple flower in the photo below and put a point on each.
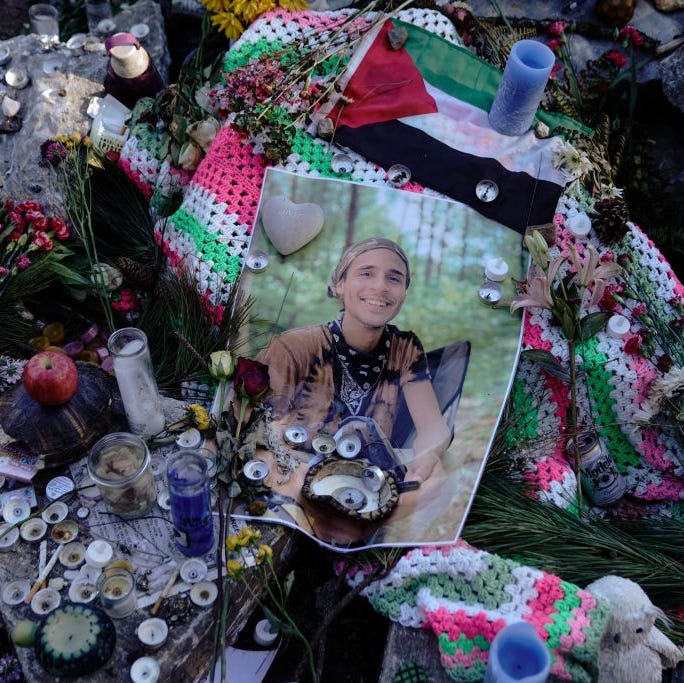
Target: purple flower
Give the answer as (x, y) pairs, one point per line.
(52, 153)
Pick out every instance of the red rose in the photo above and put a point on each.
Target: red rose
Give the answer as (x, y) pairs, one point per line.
(250, 379)
(557, 28)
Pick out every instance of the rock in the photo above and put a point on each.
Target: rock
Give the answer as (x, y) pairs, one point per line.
(57, 98)
(397, 38)
(669, 5)
(672, 78)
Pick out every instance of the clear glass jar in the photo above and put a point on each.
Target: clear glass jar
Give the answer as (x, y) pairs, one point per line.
(137, 384)
(190, 498)
(119, 463)
(116, 591)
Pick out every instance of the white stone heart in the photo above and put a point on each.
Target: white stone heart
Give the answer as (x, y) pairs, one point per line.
(290, 226)
(10, 107)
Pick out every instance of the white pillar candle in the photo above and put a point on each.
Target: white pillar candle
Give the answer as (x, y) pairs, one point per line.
(618, 326)
(496, 269)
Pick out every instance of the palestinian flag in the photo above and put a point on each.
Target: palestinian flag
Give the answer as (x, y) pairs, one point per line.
(426, 106)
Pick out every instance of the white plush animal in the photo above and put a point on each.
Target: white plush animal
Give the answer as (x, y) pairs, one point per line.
(633, 650)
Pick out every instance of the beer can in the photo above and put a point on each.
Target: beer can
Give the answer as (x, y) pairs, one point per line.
(601, 481)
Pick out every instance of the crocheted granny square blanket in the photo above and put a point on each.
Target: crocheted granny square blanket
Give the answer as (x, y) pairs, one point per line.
(465, 595)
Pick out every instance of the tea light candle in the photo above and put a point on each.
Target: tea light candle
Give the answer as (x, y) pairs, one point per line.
(521, 87)
(579, 224)
(152, 633)
(496, 269)
(618, 326)
(145, 670)
(518, 654)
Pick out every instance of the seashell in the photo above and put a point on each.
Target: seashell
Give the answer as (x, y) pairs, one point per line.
(77, 41)
(333, 483)
(140, 31)
(17, 78)
(55, 513)
(14, 592)
(45, 600)
(203, 593)
(33, 529)
(10, 107)
(64, 532)
(8, 538)
(72, 555)
(82, 590)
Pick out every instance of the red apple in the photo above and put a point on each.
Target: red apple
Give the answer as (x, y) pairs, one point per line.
(50, 378)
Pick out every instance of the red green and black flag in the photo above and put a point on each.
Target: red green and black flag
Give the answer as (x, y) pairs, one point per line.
(426, 106)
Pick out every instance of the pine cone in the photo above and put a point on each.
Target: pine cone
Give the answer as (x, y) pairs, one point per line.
(611, 220)
(136, 274)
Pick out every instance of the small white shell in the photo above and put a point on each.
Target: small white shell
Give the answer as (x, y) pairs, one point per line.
(203, 593)
(65, 531)
(82, 590)
(7, 540)
(77, 41)
(16, 78)
(140, 30)
(33, 529)
(72, 555)
(10, 107)
(55, 512)
(45, 600)
(14, 592)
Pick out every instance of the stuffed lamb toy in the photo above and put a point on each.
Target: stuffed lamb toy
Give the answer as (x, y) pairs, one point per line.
(633, 650)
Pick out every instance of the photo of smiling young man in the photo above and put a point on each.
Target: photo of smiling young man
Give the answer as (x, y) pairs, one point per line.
(346, 354)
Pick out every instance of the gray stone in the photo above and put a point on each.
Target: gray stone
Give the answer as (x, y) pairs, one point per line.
(672, 78)
(669, 5)
(56, 101)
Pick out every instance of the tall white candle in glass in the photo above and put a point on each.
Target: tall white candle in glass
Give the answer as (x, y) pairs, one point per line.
(137, 384)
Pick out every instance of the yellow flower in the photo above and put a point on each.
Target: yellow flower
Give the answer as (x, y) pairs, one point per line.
(233, 542)
(228, 23)
(198, 416)
(293, 4)
(249, 534)
(265, 552)
(234, 567)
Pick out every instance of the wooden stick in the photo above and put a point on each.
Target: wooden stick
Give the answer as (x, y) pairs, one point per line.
(43, 575)
(166, 591)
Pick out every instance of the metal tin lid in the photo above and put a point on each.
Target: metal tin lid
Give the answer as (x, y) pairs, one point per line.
(295, 435)
(342, 163)
(193, 570)
(349, 446)
(351, 497)
(486, 191)
(255, 470)
(398, 175)
(257, 261)
(490, 293)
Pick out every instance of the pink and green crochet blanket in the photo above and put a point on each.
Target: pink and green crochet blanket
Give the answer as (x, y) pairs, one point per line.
(463, 594)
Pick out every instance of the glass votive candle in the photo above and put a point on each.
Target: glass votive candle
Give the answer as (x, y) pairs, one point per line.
(119, 463)
(116, 590)
(44, 20)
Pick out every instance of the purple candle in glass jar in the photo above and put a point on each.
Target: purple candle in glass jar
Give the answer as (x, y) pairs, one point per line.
(189, 495)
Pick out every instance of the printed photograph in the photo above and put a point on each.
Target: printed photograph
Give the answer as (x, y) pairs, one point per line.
(381, 315)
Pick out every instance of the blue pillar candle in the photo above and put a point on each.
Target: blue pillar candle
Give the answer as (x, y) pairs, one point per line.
(518, 655)
(190, 501)
(521, 87)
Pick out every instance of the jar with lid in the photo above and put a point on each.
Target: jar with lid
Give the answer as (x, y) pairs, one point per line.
(119, 464)
(135, 377)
